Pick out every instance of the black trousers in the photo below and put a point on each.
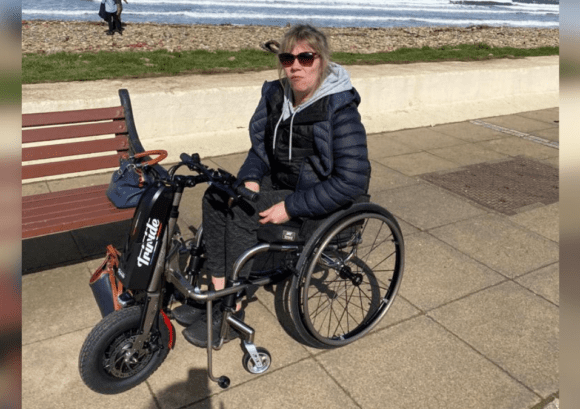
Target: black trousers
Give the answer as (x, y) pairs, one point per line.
(114, 22)
(230, 231)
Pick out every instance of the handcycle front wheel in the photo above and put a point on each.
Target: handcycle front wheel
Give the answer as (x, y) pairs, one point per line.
(103, 362)
(348, 276)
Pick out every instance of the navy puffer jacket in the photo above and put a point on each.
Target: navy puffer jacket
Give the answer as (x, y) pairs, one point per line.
(339, 171)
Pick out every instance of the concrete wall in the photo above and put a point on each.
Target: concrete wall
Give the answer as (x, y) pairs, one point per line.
(210, 114)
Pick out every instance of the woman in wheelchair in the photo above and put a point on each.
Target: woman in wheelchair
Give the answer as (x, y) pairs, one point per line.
(308, 158)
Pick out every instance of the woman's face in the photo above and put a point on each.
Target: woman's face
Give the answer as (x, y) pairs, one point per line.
(303, 80)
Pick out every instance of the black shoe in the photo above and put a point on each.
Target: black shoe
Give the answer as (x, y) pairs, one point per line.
(187, 314)
(196, 333)
(109, 32)
(119, 31)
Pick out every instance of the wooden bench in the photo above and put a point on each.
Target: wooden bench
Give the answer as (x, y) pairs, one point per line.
(54, 136)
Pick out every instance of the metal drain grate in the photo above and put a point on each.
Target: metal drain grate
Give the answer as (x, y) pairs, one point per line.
(502, 186)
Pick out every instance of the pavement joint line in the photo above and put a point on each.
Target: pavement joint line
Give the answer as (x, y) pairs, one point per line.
(485, 357)
(523, 135)
(338, 384)
(155, 400)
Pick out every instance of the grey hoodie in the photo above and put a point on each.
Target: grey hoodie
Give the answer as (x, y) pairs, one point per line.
(337, 81)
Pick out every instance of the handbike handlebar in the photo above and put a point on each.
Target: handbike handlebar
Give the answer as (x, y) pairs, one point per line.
(247, 193)
(221, 179)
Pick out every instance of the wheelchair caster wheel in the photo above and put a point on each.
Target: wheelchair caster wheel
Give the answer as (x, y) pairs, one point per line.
(250, 365)
(224, 382)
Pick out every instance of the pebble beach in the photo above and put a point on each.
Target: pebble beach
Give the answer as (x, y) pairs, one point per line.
(46, 37)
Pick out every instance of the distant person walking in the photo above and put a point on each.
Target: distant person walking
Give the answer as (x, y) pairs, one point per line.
(111, 12)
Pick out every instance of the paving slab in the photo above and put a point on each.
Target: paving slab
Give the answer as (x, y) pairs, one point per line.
(498, 244)
(469, 132)
(467, 154)
(418, 163)
(513, 328)
(383, 178)
(418, 364)
(514, 146)
(424, 138)
(544, 220)
(436, 273)
(550, 115)
(51, 380)
(231, 163)
(301, 385)
(520, 123)
(425, 206)
(552, 134)
(544, 282)
(555, 161)
(382, 145)
(56, 302)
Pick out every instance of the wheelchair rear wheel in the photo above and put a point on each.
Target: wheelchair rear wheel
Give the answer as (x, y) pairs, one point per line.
(348, 276)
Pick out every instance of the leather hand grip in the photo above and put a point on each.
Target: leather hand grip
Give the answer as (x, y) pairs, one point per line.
(162, 155)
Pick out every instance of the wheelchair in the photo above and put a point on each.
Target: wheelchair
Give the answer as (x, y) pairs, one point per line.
(342, 275)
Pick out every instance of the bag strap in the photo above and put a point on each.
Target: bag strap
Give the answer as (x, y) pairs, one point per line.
(112, 263)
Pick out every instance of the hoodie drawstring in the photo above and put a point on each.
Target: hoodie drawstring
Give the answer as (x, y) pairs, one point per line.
(276, 134)
(290, 144)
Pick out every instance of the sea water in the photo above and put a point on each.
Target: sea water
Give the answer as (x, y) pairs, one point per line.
(321, 13)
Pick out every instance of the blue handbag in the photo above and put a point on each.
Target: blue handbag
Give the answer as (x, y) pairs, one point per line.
(127, 185)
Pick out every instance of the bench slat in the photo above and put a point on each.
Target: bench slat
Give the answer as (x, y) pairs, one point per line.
(83, 191)
(70, 117)
(73, 222)
(67, 209)
(73, 131)
(69, 166)
(75, 148)
(57, 205)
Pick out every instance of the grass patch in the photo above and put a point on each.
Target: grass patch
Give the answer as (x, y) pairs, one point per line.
(10, 88)
(463, 52)
(63, 67)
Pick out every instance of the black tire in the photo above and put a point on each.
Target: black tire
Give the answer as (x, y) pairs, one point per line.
(104, 346)
(348, 276)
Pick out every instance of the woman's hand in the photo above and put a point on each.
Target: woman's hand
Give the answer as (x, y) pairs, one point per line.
(276, 214)
(253, 186)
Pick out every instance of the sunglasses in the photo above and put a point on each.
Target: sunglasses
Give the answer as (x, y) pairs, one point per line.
(304, 59)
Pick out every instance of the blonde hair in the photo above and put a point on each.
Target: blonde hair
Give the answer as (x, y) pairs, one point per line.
(312, 36)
